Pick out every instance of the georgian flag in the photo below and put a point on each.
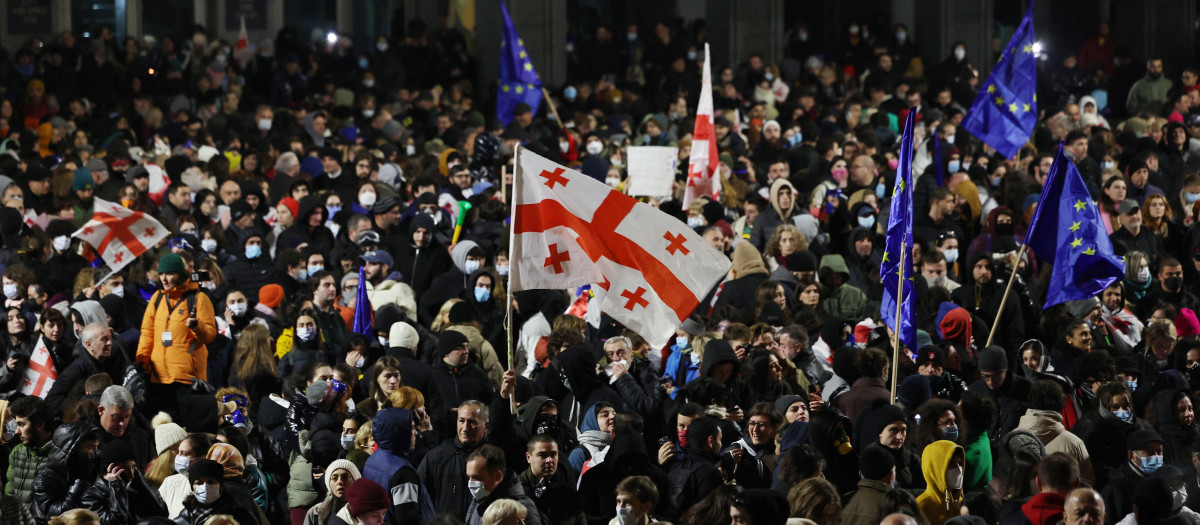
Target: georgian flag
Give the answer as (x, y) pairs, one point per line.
(40, 374)
(120, 234)
(159, 181)
(703, 178)
(649, 271)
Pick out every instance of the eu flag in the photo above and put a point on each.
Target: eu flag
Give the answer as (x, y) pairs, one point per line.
(518, 81)
(1067, 233)
(362, 308)
(899, 233)
(1005, 108)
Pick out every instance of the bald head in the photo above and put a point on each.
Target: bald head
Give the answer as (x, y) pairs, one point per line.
(1083, 507)
(898, 519)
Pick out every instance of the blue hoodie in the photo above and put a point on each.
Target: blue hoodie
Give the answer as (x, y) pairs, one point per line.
(389, 466)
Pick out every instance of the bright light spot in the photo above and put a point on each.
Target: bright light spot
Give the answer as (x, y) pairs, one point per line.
(332, 38)
(86, 34)
(151, 71)
(1037, 48)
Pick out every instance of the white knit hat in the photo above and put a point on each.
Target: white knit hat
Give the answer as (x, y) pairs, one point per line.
(403, 335)
(168, 435)
(341, 463)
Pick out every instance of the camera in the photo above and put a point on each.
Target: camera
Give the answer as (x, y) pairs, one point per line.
(201, 276)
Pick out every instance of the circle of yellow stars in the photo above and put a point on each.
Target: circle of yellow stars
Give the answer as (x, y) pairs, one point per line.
(1077, 242)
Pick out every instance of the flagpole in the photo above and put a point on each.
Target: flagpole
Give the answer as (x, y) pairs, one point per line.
(1004, 298)
(512, 237)
(896, 332)
(553, 110)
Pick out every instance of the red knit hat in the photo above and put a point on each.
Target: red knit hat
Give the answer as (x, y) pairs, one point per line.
(270, 295)
(365, 496)
(292, 206)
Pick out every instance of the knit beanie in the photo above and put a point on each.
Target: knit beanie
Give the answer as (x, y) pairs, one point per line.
(993, 359)
(82, 180)
(341, 463)
(292, 206)
(460, 313)
(365, 496)
(403, 335)
(205, 468)
(449, 340)
(914, 391)
(168, 435)
(116, 451)
(876, 463)
(1186, 324)
(270, 295)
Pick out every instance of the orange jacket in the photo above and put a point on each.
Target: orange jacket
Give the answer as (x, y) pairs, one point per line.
(187, 357)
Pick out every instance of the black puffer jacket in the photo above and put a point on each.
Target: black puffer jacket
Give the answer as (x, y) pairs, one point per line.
(61, 486)
(318, 239)
(419, 266)
(118, 504)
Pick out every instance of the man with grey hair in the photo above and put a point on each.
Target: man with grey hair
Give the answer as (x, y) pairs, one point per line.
(114, 416)
(632, 376)
(98, 356)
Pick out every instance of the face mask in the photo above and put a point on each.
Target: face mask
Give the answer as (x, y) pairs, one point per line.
(410, 150)
(237, 308)
(369, 83)
(900, 36)
(692, 55)
(209, 245)
(770, 77)
(482, 294)
(954, 166)
(303, 275)
(1143, 275)
(625, 516)
(796, 139)
(470, 266)
(312, 270)
(62, 243)
(951, 255)
(960, 53)
(996, 181)
(839, 174)
(362, 361)
(252, 252)
(333, 210)
(1132, 384)
(120, 291)
(305, 334)
(681, 342)
(1151, 463)
(950, 433)
(646, 139)
(264, 124)
(362, 63)
(613, 182)
(564, 146)
(382, 46)
(880, 190)
(954, 478)
(866, 222)
(1123, 415)
(502, 270)
(1172, 283)
(854, 30)
(1108, 165)
(1004, 228)
(934, 282)
(367, 199)
(347, 296)
(10, 291)
(347, 441)
(207, 493)
(477, 490)
(695, 222)
(631, 36)
(181, 464)
(682, 435)
(594, 148)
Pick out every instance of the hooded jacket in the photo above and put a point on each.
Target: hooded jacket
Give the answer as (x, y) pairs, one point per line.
(482, 353)
(749, 271)
(450, 284)
(390, 468)
(1177, 439)
(592, 440)
(319, 239)
(826, 429)
(586, 386)
(509, 488)
(939, 502)
(770, 219)
(420, 266)
(626, 457)
(1047, 425)
(61, 486)
(845, 301)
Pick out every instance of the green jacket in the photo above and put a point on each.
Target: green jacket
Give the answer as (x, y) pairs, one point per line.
(24, 464)
(978, 469)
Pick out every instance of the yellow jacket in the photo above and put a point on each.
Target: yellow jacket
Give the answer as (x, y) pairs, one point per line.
(187, 357)
(939, 503)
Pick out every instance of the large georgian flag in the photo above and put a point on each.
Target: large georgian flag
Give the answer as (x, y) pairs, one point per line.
(650, 270)
(120, 234)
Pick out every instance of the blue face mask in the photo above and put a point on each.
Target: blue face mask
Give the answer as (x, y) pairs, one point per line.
(1123, 415)
(796, 139)
(880, 190)
(1132, 384)
(681, 342)
(482, 294)
(1151, 463)
(996, 181)
(303, 275)
(362, 63)
(253, 252)
(954, 166)
(950, 433)
(866, 222)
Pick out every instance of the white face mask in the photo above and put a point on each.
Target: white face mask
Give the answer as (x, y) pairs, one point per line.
(314, 269)
(181, 464)
(369, 113)
(470, 266)
(10, 291)
(625, 516)
(477, 490)
(383, 341)
(367, 199)
(348, 441)
(264, 124)
(960, 53)
(951, 255)
(209, 245)
(360, 363)
(237, 308)
(62, 243)
(695, 222)
(305, 334)
(594, 148)
(564, 146)
(120, 291)
(1143, 275)
(954, 478)
(368, 83)
(382, 46)
(502, 270)
(207, 493)
(410, 150)
(613, 182)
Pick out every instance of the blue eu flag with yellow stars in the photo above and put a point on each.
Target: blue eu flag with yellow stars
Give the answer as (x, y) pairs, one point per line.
(1066, 232)
(1005, 108)
(518, 80)
(899, 233)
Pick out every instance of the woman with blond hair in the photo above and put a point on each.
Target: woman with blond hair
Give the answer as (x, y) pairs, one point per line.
(76, 517)
(504, 512)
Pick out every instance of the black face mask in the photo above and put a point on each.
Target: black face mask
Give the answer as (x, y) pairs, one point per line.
(1173, 284)
(1004, 229)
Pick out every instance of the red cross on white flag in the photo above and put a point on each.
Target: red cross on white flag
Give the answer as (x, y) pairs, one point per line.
(703, 178)
(120, 234)
(650, 269)
(40, 374)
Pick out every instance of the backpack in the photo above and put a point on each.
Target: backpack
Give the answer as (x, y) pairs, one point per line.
(198, 386)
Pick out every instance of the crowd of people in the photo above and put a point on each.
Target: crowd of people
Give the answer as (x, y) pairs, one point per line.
(218, 378)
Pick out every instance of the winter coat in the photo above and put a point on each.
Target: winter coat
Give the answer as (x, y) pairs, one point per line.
(117, 504)
(939, 503)
(195, 513)
(61, 485)
(419, 266)
(482, 353)
(692, 477)
(443, 474)
(1048, 427)
(556, 501)
(448, 285)
(863, 507)
(626, 457)
(187, 356)
(249, 275)
(24, 464)
(319, 444)
(863, 392)
(390, 468)
(509, 488)
(1010, 398)
(461, 383)
(83, 367)
(1104, 437)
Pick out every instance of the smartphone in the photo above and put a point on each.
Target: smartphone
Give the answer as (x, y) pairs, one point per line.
(663, 441)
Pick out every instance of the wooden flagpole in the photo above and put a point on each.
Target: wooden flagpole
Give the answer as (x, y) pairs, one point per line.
(553, 110)
(899, 309)
(512, 236)
(1004, 298)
